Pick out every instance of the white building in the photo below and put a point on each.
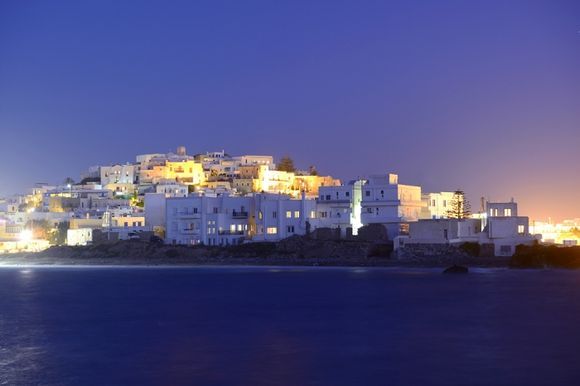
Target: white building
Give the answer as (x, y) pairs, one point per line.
(385, 201)
(500, 226)
(340, 207)
(278, 216)
(172, 189)
(436, 205)
(229, 220)
(221, 220)
(118, 174)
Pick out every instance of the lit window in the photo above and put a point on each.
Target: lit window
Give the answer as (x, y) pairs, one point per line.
(312, 214)
(296, 214)
(288, 214)
(271, 230)
(260, 215)
(521, 229)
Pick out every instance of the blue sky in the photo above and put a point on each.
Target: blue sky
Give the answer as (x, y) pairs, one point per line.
(482, 95)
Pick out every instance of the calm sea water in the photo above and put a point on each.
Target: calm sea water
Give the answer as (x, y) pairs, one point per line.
(284, 326)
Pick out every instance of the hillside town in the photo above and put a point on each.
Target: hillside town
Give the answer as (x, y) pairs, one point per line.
(217, 199)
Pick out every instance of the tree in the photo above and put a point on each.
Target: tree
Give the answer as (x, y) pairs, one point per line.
(286, 164)
(459, 207)
(58, 236)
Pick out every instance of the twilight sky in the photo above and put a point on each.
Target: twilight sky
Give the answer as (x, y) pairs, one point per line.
(482, 95)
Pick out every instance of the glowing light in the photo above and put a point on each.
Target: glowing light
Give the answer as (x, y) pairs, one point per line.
(26, 235)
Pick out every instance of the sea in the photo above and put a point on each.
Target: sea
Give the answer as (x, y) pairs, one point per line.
(288, 326)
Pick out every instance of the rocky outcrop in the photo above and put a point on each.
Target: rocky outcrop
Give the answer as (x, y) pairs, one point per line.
(456, 269)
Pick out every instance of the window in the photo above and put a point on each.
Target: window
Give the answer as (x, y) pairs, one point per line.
(274, 214)
(507, 212)
(445, 234)
(368, 193)
(445, 203)
(312, 214)
(296, 214)
(369, 210)
(288, 214)
(521, 229)
(290, 228)
(260, 215)
(195, 210)
(323, 214)
(215, 209)
(347, 194)
(328, 197)
(271, 230)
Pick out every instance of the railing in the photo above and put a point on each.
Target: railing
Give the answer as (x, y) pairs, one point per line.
(239, 214)
(188, 213)
(333, 201)
(228, 232)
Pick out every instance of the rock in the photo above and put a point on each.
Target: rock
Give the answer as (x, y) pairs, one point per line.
(456, 269)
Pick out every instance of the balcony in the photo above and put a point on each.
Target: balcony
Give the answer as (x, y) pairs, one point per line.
(188, 214)
(231, 233)
(333, 201)
(239, 214)
(189, 231)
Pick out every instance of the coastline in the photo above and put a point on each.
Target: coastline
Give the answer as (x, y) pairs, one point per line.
(36, 260)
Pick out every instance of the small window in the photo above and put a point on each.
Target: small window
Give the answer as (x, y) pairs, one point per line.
(507, 212)
(368, 193)
(521, 229)
(271, 230)
(290, 228)
(274, 214)
(296, 214)
(288, 214)
(348, 194)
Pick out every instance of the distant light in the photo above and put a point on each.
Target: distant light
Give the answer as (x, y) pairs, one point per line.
(30, 210)
(26, 235)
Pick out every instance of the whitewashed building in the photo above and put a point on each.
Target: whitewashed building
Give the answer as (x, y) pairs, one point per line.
(385, 201)
(500, 225)
(339, 207)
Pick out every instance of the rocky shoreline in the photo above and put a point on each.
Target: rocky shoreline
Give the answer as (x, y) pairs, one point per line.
(294, 251)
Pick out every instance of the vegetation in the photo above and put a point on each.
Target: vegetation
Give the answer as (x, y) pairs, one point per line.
(471, 248)
(69, 181)
(58, 235)
(137, 201)
(459, 207)
(41, 229)
(542, 256)
(312, 170)
(286, 164)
